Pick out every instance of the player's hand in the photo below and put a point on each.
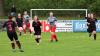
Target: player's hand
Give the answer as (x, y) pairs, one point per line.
(88, 23)
(55, 22)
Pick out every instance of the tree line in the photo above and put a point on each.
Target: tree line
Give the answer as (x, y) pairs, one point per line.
(21, 5)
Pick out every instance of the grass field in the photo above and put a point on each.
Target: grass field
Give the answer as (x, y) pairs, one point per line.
(69, 44)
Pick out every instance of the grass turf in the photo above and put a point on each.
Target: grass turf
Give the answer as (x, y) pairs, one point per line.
(69, 44)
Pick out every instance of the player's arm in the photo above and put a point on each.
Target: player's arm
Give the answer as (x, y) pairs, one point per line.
(55, 20)
(40, 23)
(15, 25)
(33, 24)
(96, 20)
(16, 21)
(23, 19)
(86, 17)
(4, 25)
(88, 22)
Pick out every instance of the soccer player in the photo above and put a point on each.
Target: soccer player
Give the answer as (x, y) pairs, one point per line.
(37, 29)
(26, 19)
(11, 32)
(19, 21)
(92, 25)
(52, 20)
(88, 18)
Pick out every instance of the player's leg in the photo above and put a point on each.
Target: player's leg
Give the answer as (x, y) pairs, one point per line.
(53, 33)
(20, 30)
(11, 39)
(24, 28)
(39, 35)
(94, 34)
(52, 38)
(17, 42)
(90, 34)
(37, 39)
(89, 31)
(29, 29)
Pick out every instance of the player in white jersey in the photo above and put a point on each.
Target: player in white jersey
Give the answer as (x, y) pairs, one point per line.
(51, 20)
(26, 22)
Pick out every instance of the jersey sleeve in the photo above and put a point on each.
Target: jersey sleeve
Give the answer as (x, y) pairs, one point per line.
(33, 24)
(88, 20)
(55, 19)
(96, 19)
(40, 23)
(15, 25)
(17, 20)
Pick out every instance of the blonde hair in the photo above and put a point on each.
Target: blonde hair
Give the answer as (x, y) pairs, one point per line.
(51, 13)
(35, 17)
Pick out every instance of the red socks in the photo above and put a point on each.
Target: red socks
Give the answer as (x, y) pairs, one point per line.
(25, 31)
(53, 37)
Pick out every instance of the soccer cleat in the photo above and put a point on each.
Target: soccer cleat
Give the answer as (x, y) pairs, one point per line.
(38, 44)
(21, 50)
(31, 34)
(51, 40)
(56, 40)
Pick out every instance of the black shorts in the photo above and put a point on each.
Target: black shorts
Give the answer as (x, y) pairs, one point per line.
(37, 32)
(12, 36)
(90, 30)
(19, 25)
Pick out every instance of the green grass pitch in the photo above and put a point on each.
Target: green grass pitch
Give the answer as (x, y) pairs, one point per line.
(69, 44)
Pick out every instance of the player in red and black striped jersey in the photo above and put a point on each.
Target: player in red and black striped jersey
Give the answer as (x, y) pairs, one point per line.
(19, 21)
(91, 23)
(11, 32)
(37, 29)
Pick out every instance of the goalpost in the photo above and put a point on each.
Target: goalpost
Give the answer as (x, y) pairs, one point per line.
(62, 25)
(85, 10)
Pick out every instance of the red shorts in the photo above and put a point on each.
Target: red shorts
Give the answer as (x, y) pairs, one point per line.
(52, 28)
(26, 26)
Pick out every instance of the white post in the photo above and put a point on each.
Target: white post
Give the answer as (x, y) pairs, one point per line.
(86, 12)
(31, 13)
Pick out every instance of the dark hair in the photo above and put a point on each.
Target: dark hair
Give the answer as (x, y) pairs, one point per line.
(9, 17)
